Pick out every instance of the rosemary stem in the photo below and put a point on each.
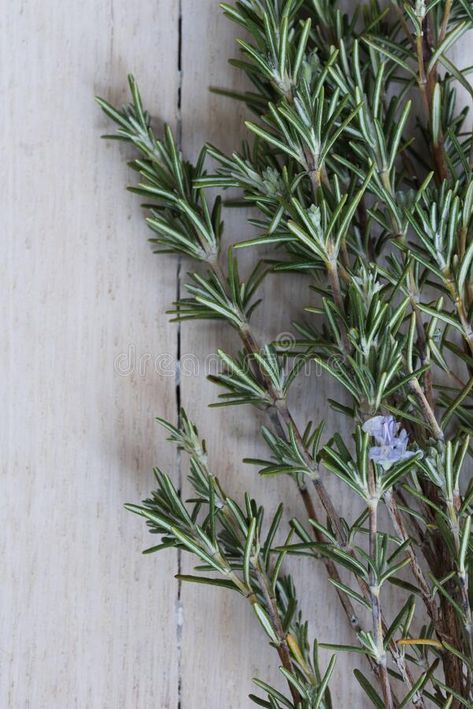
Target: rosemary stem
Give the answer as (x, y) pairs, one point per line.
(400, 528)
(272, 608)
(334, 280)
(427, 409)
(375, 601)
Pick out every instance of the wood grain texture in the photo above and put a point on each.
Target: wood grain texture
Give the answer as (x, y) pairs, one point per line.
(86, 622)
(88, 359)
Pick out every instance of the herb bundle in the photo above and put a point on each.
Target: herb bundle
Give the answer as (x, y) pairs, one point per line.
(359, 173)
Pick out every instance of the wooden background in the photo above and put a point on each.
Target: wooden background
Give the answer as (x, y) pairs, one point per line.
(89, 359)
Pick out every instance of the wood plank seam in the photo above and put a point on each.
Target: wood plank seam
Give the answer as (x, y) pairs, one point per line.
(179, 604)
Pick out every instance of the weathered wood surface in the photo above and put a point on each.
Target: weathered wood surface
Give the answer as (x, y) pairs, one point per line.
(88, 360)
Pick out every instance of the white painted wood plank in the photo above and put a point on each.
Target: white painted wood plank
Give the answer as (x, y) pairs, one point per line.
(221, 637)
(86, 620)
(221, 640)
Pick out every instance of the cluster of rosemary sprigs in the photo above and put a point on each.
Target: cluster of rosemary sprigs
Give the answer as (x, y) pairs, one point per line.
(360, 176)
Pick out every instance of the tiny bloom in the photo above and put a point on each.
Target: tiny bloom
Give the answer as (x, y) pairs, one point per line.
(392, 442)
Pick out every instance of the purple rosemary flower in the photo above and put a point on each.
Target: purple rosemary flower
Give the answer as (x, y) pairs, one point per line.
(391, 439)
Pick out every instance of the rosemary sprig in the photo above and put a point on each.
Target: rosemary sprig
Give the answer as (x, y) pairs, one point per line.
(378, 218)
